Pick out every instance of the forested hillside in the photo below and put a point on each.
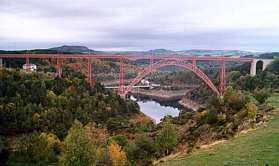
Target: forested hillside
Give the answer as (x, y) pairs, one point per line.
(33, 104)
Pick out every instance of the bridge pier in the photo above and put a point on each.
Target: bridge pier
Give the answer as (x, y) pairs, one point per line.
(59, 63)
(253, 67)
(89, 72)
(27, 63)
(222, 83)
(121, 78)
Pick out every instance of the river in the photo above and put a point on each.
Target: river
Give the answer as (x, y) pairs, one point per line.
(156, 110)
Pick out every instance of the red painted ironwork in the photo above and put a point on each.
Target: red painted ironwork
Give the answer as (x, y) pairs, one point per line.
(151, 61)
(222, 78)
(121, 78)
(27, 63)
(59, 63)
(161, 64)
(164, 61)
(89, 72)
(128, 57)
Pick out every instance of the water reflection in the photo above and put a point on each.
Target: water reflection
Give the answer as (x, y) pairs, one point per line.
(157, 110)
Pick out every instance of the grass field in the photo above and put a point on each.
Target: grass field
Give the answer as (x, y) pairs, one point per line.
(258, 147)
(274, 100)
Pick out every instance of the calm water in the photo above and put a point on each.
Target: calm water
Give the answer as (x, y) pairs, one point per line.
(157, 110)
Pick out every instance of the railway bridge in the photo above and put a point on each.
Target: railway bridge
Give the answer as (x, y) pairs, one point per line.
(155, 63)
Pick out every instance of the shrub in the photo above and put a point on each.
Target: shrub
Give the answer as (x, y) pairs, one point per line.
(140, 151)
(251, 110)
(261, 96)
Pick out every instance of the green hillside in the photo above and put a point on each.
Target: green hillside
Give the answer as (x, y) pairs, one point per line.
(258, 147)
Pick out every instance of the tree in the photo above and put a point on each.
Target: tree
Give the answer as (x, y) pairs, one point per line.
(141, 151)
(117, 155)
(234, 75)
(78, 149)
(166, 140)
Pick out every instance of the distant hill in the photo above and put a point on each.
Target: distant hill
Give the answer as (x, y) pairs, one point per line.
(214, 52)
(73, 49)
(187, 52)
(84, 49)
(162, 51)
(270, 55)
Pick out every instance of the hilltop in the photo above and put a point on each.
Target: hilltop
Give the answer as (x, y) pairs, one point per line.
(161, 51)
(73, 49)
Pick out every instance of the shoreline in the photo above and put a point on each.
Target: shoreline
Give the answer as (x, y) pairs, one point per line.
(161, 95)
(190, 104)
(177, 96)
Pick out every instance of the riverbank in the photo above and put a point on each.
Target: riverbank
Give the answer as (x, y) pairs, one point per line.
(190, 104)
(161, 95)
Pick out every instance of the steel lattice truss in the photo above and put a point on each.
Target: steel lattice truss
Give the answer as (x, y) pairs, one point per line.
(161, 61)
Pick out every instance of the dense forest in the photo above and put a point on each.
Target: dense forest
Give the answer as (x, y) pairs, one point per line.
(33, 104)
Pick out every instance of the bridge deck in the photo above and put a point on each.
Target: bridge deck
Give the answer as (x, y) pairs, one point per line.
(128, 57)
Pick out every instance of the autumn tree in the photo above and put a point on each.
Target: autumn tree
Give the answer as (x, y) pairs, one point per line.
(99, 136)
(78, 148)
(117, 155)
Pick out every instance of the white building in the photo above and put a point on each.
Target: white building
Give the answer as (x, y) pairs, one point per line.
(145, 82)
(32, 67)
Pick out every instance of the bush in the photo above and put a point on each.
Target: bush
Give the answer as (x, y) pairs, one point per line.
(140, 151)
(251, 110)
(261, 96)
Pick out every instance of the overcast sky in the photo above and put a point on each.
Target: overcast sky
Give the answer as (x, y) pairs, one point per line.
(140, 24)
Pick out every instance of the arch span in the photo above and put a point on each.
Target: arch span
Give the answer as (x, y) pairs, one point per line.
(154, 67)
(254, 64)
(259, 66)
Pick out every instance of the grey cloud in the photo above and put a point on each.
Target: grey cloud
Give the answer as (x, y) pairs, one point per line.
(49, 9)
(129, 24)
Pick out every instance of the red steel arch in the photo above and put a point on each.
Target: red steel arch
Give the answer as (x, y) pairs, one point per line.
(154, 67)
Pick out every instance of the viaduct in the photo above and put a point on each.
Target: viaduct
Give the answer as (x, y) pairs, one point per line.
(155, 63)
